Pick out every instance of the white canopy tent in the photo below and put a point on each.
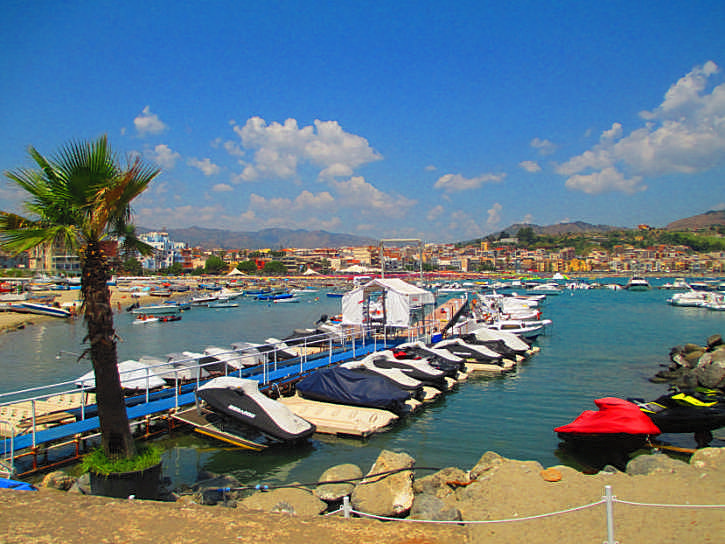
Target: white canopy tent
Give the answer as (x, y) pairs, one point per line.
(398, 298)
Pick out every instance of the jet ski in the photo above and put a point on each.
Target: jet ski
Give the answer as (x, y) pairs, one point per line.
(610, 434)
(394, 375)
(476, 353)
(344, 386)
(418, 369)
(441, 359)
(241, 401)
(512, 340)
(499, 346)
(697, 412)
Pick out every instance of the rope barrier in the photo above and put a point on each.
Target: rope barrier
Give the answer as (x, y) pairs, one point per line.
(477, 522)
(655, 505)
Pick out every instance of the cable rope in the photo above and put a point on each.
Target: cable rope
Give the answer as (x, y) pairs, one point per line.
(655, 505)
(480, 522)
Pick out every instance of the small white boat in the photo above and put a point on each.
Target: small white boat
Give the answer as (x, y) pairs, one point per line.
(157, 309)
(144, 319)
(637, 283)
(222, 304)
(526, 329)
(688, 298)
(42, 309)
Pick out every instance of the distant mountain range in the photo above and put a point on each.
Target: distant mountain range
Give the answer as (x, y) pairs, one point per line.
(266, 238)
(304, 239)
(704, 220)
(696, 222)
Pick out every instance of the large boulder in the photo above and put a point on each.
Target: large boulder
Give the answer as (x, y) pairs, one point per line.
(213, 491)
(432, 508)
(714, 341)
(334, 492)
(708, 460)
(710, 372)
(486, 465)
(442, 484)
(295, 501)
(389, 494)
(57, 480)
(657, 463)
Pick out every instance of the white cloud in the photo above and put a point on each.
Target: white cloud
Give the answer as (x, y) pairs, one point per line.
(545, 147)
(613, 133)
(530, 166)
(456, 182)
(462, 225)
(171, 217)
(430, 168)
(148, 123)
(279, 149)
(358, 193)
(207, 167)
(685, 134)
(435, 212)
(608, 179)
(494, 216)
(222, 188)
(233, 149)
(164, 156)
(528, 219)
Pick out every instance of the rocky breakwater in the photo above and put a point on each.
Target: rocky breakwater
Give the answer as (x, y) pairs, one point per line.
(495, 489)
(693, 365)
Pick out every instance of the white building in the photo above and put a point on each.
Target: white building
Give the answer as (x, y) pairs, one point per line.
(167, 251)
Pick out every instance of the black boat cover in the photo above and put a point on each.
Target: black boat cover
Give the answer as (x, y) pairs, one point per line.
(343, 386)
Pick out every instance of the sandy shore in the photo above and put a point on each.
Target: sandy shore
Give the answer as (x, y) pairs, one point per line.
(511, 492)
(10, 321)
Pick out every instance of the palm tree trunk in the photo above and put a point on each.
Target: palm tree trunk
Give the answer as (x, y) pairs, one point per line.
(116, 435)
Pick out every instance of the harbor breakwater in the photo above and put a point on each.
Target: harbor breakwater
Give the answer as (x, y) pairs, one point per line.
(495, 500)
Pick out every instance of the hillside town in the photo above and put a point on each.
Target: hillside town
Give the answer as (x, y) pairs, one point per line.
(505, 255)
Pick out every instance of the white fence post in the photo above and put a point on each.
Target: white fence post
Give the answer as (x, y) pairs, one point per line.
(610, 514)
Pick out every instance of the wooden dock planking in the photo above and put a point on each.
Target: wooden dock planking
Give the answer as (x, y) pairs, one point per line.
(200, 422)
(48, 412)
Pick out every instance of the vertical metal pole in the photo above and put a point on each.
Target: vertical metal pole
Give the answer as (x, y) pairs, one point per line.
(33, 414)
(382, 260)
(610, 514)
(346, 506)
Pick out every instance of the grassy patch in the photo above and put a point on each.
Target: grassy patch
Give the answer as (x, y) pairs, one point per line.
(96, 461)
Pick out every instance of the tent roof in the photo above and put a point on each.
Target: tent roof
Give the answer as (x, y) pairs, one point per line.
(236, 272)
(310, 272)
(355, 269)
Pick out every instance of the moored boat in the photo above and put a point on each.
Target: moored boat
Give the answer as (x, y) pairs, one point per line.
(610, 434)
(42, 309)
(637, 283)
(241, 401)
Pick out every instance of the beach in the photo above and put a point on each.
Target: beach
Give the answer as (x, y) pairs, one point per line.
(52, 516)
(10, 321)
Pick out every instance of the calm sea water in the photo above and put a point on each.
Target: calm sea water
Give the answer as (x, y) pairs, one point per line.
(602, 343)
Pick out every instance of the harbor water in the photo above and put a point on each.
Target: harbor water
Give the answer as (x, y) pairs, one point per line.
(602, 343)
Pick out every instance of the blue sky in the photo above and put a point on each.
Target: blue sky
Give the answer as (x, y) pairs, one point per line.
(437, 120)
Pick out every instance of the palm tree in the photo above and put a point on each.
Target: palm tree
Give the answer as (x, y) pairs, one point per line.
(78, 199)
